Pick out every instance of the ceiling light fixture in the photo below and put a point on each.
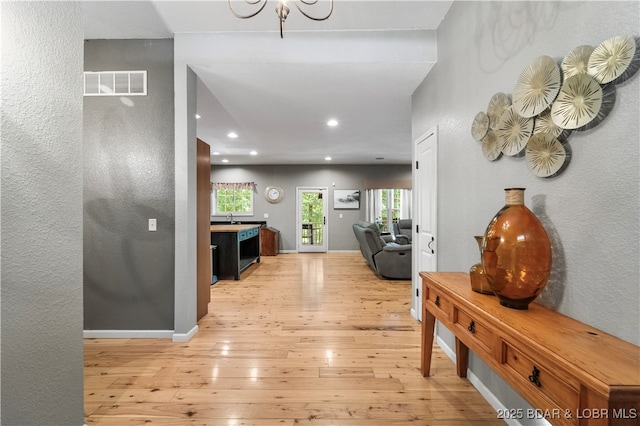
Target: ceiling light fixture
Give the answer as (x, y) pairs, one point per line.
(281, 10)
(232, 135)
(198, 116)
(253, 153)
(332, 123)
(327, 158)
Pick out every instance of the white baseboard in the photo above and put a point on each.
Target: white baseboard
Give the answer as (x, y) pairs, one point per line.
(128, 334)
(485, 392)
(329, 251)
(185, 337)
(140, 334)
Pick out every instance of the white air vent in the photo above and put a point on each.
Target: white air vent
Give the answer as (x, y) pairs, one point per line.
(115, 83)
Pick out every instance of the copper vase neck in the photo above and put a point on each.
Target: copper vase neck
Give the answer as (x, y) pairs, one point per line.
(514, 196)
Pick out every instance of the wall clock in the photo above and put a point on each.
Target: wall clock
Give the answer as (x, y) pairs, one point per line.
(273, 194)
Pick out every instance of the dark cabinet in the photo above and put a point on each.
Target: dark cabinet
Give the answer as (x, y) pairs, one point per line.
(269, 241)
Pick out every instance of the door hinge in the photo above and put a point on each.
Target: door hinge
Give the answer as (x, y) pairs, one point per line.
(417, 292)
(417, 229)
(416, 164)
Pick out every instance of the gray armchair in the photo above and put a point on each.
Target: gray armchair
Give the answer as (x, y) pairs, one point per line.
(387, 259)
(403, 231)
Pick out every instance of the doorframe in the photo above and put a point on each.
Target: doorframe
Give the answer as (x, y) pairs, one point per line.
(416, 282)
(325, 206)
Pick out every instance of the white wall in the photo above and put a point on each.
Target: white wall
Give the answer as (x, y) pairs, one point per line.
(42, 355)
(591, 210)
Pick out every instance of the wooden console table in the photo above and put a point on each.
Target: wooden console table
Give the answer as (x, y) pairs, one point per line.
(571, 373)
(238, 247)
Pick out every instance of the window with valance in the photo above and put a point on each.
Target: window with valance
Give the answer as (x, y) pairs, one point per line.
(232, 197)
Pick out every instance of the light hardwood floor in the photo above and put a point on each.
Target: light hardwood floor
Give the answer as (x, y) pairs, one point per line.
(301, 339)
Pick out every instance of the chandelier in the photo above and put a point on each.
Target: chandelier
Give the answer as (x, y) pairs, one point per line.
(282, 10)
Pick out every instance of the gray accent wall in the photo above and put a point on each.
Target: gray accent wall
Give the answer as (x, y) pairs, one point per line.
(282, 215)
(41, 214)
(128, 179)
(591, 211)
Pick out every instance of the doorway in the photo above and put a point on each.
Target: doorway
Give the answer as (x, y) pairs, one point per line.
(311, 222)
(426, 196)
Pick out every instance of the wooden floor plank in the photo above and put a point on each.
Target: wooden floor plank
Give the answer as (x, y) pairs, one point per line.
(301, 339)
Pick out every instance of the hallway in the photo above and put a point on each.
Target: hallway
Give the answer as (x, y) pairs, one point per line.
(301, 339)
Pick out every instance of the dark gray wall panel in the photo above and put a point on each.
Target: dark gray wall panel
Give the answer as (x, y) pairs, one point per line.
(128, 179)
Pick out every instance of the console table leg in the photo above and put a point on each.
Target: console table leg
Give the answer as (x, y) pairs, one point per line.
(462, 358)
(428, 327)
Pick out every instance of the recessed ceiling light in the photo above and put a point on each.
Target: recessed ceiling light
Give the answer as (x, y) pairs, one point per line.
(215, 153)
(253, 153)
(332, 123)
(224, 160)
(327, 158)
(197, 116)
(232, 135)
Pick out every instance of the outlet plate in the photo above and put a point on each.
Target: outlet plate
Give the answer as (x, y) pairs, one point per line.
(153, 225)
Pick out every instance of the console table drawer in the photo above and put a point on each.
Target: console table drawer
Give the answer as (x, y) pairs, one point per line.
(546, 387)
(479, 334)
(443, 305)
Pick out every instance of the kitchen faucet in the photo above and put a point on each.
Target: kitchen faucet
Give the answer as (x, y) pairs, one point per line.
(230, 217)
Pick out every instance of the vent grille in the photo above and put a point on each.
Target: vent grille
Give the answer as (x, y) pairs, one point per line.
(115, 83)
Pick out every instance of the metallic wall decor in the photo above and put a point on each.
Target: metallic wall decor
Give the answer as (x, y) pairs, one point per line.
(550, 101)
(537, 87)
(578, 102)
(490, 147)
(576, 62)
(513, 132)
(480, 126)
(498, 103)
(611, 58)
(544, 124)
(544, 155)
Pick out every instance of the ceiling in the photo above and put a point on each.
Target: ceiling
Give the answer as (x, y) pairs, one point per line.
(359, 67)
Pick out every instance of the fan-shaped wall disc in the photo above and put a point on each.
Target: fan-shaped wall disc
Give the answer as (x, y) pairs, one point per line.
(490, 146)
(611, 58)
(537, 87)
(480, 126)
(578, 103)
(513, 131)
(544, 124)
(576, 62)
(545, 155)
(498, 103)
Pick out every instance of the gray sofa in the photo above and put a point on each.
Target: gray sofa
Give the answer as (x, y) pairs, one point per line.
(387, 259)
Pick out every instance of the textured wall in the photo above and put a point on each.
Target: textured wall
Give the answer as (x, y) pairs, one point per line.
(41, 216)
(282, 215)
(591, 210)
(129, 178)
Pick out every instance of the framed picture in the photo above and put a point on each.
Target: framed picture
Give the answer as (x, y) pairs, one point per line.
(346, 198)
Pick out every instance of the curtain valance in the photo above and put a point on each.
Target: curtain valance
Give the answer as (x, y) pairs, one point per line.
(387, 184)
(232, 185)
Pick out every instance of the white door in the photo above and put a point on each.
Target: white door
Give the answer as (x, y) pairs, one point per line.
(311, 230)
(425, 184)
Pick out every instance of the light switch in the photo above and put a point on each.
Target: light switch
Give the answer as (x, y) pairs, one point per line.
(153, 225)
(266, 215)
(340, 215)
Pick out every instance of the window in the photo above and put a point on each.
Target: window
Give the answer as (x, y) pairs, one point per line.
(389, 208)
(236, 199)
(386, 206)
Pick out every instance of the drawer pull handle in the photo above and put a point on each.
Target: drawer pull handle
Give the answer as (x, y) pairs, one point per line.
(472, 327)
(535, 376)
(437, 302)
